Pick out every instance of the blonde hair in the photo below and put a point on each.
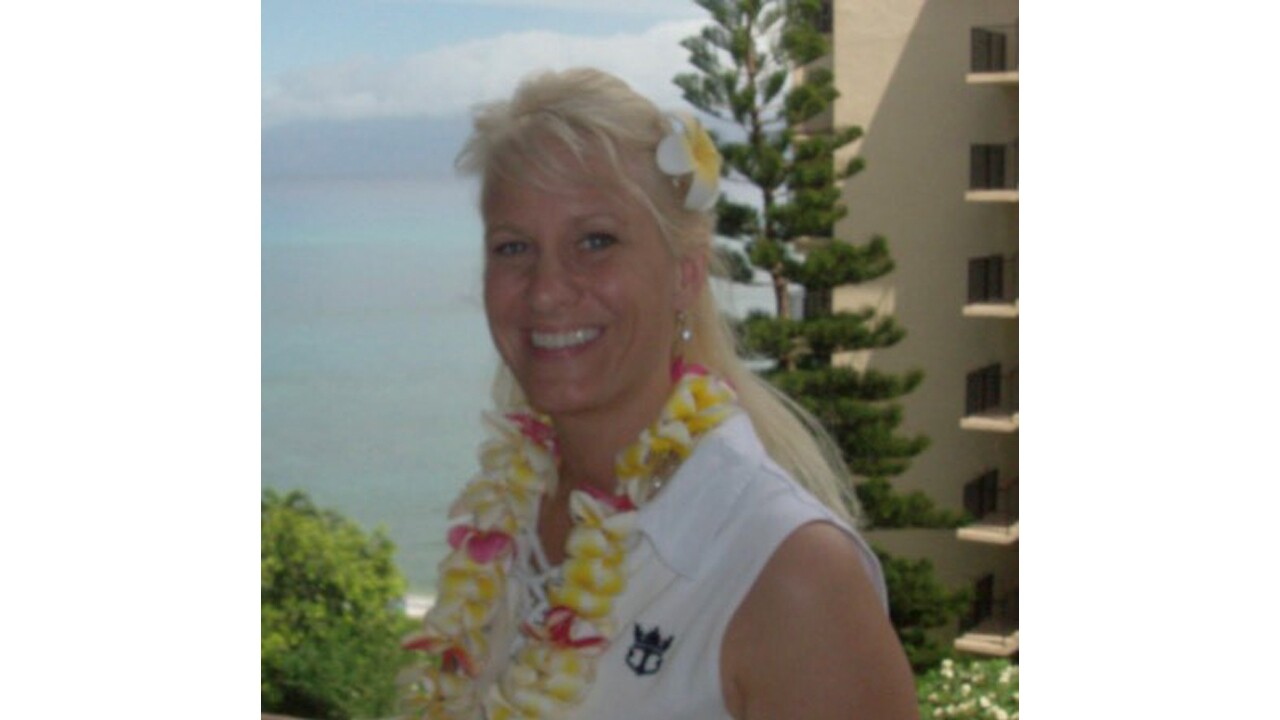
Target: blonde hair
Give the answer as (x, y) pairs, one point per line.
(593, 114)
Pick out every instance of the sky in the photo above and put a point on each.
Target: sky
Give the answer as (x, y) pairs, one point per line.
(384, 87)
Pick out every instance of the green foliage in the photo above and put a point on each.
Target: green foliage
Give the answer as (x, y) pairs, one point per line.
(839, 263)
(330, 617)
(744, 63)
(885, 508)
(969, 689)
(918, 604)
(736, 220)
(810, 343)
(869, 386)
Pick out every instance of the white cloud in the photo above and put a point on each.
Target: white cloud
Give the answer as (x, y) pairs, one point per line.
(665, 8)
(451, 79)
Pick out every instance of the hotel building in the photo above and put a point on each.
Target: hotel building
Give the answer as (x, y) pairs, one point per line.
(934, 86)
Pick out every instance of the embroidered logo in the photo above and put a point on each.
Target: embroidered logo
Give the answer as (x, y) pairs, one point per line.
(645, 655)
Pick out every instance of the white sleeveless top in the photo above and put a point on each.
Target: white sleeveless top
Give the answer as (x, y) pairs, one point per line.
(703, 541)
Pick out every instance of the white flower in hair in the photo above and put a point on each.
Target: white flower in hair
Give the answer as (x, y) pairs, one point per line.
(689, 149)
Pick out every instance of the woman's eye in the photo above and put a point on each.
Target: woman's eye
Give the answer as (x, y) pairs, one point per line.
(512, 247)
(598, 241)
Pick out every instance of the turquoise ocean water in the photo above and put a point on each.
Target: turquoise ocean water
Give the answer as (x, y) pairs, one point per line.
(375, 357)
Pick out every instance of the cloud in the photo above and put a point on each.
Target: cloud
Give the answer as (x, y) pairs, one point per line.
(449, 80)
(664, 8)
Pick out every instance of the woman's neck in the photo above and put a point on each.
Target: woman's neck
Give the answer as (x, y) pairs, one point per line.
(589, 444)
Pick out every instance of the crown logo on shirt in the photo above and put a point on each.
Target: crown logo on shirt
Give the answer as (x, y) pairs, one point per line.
(645, 655)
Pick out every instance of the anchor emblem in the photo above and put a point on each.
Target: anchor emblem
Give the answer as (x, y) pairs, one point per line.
(645, 655)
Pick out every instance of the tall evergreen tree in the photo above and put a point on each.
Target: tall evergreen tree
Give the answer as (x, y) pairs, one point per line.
(757, 71)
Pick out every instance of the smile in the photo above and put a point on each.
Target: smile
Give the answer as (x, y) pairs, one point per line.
(560, 341)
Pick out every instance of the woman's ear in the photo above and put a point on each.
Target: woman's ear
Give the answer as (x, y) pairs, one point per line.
(690, 279)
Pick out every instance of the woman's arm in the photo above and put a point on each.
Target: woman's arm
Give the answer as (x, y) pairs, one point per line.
(811, 639)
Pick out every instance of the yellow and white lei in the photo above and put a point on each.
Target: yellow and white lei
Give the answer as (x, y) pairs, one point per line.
(555, 666)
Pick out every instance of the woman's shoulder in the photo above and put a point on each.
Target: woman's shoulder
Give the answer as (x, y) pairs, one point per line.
(811, 638)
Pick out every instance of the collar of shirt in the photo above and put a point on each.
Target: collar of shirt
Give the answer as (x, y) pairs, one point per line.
(702, 496)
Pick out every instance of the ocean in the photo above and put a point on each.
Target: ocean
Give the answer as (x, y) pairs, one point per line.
(376, 360)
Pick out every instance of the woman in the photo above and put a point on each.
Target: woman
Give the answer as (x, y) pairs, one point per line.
(643, 539)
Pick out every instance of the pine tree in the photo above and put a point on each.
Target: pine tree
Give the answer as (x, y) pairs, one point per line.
(757, 73)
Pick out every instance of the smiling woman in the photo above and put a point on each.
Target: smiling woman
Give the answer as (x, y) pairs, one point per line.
(655, 532)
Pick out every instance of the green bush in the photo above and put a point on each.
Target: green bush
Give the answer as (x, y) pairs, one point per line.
(331, 620)
(970, 689)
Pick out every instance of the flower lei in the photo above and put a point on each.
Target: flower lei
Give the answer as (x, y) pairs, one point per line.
(691, 150)
(556, 665)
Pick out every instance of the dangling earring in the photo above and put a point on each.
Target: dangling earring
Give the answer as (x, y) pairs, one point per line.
(682, 325)
(685, 334)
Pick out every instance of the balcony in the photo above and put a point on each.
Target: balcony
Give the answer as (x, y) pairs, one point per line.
(993, 173)
(993, 287)
(995, 505)
(991, 400)
(993, 56)
(991, 627)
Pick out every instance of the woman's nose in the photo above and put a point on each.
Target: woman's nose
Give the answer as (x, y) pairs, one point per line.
(554, 285)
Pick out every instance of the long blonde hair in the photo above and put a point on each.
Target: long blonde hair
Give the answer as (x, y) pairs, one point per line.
(592, 113)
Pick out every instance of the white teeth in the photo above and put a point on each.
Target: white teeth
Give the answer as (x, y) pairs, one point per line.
(560, 341)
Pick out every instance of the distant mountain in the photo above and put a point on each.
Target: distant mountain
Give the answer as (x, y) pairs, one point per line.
(401, 148)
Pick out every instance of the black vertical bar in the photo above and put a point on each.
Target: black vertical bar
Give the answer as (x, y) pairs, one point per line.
(979, 50)
(992, 399)
(977, 291)
(995, 166)
(973, 497)
(977, 167)
(973, 393)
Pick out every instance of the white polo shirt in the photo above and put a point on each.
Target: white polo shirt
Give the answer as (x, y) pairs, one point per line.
(703, 541)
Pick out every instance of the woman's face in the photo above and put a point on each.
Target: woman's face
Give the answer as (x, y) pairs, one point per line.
(581, 296)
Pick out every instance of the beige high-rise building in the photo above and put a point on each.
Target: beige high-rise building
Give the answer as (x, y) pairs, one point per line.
(934, 85)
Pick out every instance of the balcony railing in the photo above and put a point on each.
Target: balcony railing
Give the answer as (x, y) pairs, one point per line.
(991, 626)
(993, 287)
(993, 54)
(995, 505)
(991, 400)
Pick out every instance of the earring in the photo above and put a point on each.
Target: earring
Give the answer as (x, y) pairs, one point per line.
(682, 324)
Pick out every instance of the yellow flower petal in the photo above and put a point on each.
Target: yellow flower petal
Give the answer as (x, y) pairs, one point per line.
(593, 543)
(595, 575)
(584, 602)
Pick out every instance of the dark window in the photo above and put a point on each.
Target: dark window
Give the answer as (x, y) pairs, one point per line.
(986, 278)
(988, 51)
(987, 165)
(824, 18)
(982, 390)
(991, 387)
(983, 602)
(981, 495)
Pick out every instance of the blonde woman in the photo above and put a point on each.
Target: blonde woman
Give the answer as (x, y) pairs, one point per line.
(654, 532)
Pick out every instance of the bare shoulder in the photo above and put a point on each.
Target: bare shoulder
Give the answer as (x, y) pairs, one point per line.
(811, 639)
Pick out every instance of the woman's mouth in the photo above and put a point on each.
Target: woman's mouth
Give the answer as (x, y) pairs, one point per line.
(563, 340)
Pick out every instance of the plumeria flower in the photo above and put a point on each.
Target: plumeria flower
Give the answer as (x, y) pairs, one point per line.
(690, 150)
(588, 512)
(481, 545)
